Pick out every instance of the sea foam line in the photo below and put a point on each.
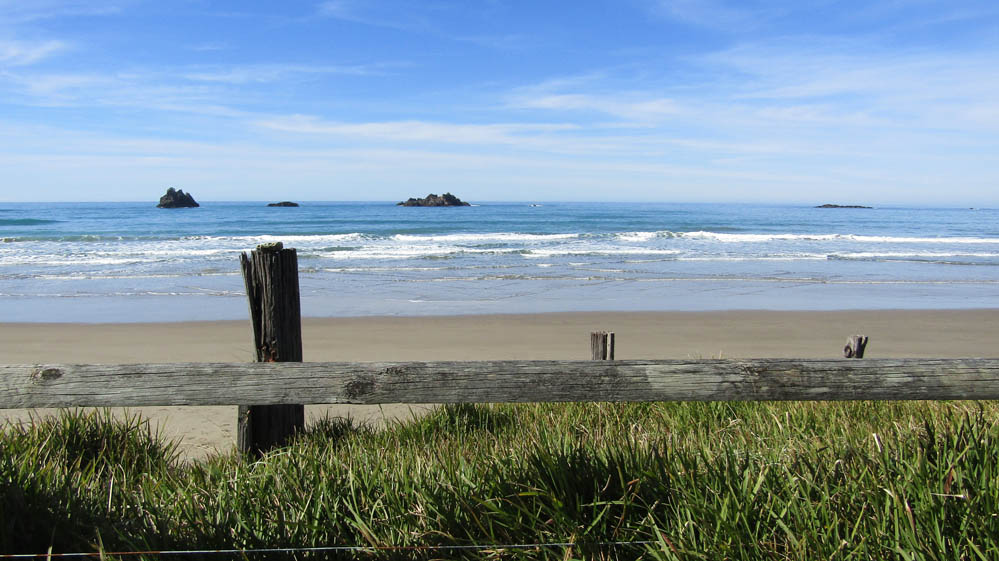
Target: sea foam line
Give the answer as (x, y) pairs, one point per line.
(723, 237)
(506, 237)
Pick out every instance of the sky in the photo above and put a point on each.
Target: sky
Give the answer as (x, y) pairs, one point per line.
(799, 101)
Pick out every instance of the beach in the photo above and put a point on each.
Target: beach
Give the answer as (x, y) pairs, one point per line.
(640, 335)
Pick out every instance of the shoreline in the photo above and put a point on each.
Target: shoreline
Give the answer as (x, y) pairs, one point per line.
(523, 315)
(733, 333)
(547, 336)
(402, 298)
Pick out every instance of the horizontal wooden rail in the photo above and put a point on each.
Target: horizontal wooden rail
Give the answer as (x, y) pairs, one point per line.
(132, 385)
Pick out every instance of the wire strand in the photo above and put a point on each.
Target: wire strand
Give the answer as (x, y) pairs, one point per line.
(321, 549)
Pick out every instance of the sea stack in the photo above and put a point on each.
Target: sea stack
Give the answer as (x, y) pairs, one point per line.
(177, 198)
(447, 199)
(284, 204)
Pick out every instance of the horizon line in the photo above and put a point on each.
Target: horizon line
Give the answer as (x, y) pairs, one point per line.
(867, 205)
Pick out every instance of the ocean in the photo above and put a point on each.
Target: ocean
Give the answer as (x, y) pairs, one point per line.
(131, 262)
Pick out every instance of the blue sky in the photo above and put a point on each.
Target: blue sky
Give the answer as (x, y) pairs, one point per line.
(808, 101)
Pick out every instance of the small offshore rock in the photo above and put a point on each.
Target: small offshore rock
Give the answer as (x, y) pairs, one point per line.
(827, 205)
(177, 198)
(447, 199)
(284, 203)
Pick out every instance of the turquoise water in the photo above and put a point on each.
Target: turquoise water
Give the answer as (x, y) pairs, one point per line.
(134, 262)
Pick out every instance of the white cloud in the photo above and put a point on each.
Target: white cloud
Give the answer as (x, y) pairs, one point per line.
(731, 17)
(195, 89)
(395, 15)
(23, 53)
(414, 131)
(635, 107)
(115, 90)
(262, 73)
(130, 168)
(60, 85)
(861, 84)
(823, 86)
(20, 11)
(427, 18)
(509, 42)
(210, 46)
(344, 9)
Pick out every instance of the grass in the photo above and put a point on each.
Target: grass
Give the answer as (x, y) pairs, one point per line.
(792, 480)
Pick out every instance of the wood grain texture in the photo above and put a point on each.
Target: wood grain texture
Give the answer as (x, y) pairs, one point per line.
(270, 274)
(601, 345)
(855, 346)
(26, 386)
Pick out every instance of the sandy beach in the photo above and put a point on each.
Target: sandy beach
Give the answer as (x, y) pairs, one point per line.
(733, 334)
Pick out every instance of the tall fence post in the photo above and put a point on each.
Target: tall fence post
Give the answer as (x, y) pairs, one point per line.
(271, 276)
(602, 345)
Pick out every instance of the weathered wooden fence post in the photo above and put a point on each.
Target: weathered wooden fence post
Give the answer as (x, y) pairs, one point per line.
(271, 276)
(855, 346)
(602, 345)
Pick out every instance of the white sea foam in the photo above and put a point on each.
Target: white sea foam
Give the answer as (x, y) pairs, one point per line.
(638, 237)
(309, 240)
(912, 254)
(498, 237)
(757, 238)
(597, 251)
(738, 258)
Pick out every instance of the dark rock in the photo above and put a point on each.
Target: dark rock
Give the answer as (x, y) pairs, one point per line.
(447, 199)
(283, 203)
(175, 198)
(827, 205)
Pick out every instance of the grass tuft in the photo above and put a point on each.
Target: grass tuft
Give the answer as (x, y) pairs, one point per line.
(788, 480)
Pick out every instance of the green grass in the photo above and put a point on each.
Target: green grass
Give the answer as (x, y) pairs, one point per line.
(795, 480)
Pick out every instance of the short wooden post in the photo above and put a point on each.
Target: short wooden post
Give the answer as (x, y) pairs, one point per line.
(270, 274)
(602, 345)
(855, 346)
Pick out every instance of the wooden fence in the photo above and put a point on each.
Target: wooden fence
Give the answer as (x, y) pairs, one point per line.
(106, 385)
(272, 392)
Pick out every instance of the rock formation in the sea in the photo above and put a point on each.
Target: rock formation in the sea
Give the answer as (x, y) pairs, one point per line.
(177, 198)
(827, 205)
(283, 203)
(447, 199)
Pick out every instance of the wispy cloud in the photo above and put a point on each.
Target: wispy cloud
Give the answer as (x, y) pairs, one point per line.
(23, 53)
(427, 18)
(414, 131)
(509, 42)
(391, 14)
(199, 89)
(640, 108)
(209, 47)
(117, 92)
(741, 18)
(911, 88)
(53, 88)
(713, 13)
(251, 168)
(835, 84)
(21, 11)
(262, 73)
(577, 141)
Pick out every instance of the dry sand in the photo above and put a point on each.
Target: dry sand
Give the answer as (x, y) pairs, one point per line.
(734, 334)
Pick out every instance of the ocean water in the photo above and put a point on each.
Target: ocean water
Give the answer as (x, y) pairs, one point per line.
(134, 262)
